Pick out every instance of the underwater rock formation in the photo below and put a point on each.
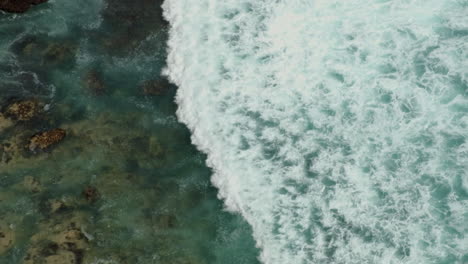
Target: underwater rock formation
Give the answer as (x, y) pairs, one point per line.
(24, 110)
(93, 81)
(91, 194)
(39, 53)
(59, 241)
(10, 150)
(130, 24)
(46, 139)
(59, 53)
(156, 87)
(32, 184)
(55, 205)
(5, 122)
(7, 238)
(18, 6)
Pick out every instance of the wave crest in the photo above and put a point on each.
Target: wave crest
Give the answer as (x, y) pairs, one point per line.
(337, 128)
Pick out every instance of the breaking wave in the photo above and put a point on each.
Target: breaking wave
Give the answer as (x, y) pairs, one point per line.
(338, 129)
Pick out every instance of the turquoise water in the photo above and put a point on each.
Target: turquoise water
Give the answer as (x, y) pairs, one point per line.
(335, 132)
(338, 129)
(86, 62)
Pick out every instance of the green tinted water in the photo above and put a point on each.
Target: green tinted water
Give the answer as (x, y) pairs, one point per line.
(85, 62)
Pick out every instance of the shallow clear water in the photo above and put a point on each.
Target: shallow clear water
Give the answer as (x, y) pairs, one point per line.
(338, 129)
(156, 202)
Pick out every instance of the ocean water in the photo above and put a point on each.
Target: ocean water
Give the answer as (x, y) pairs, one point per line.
(338, 129)
(156, 202)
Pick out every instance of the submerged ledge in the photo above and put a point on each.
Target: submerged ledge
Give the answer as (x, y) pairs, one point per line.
(18, 6)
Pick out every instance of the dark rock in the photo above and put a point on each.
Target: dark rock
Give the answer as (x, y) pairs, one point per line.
(129, 24)
(58, 53)
(94, 83)
(156, 87)
(18, 6)
(49, 249)
(166, 221)
(46, 139)
(91, 194)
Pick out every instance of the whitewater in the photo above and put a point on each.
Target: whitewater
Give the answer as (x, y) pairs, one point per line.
(338, 129)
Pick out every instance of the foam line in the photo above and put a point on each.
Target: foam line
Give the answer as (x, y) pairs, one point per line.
(336, 128)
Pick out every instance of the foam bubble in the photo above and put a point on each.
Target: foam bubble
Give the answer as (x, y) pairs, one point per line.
(336, 128)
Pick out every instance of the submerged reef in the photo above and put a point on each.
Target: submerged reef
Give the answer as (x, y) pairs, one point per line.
(46, 139)
(80, 199)
(156, 87)
(61, 232)
(93, 82)
(7, 238)
(18, 6)
(59, 241)
(94, 167)
(23, 110)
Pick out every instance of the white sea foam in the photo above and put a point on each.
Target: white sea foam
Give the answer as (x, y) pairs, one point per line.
(337, 128)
